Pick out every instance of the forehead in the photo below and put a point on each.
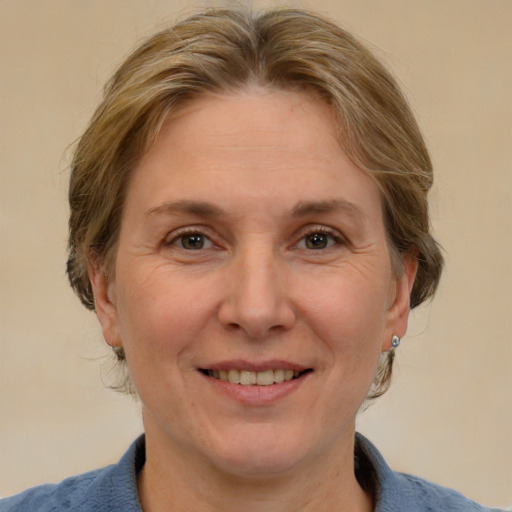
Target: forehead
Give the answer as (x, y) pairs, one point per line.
(259, 117)
(252, 144)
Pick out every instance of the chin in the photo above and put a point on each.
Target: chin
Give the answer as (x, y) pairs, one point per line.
(265, 452)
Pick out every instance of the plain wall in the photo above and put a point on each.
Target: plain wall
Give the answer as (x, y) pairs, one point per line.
(448, 415)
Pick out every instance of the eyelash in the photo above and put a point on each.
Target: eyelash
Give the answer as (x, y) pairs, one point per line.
(202, 232)
(321, 230)
(182, 233)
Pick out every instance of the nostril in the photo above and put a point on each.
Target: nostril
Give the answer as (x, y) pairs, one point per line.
(257, 305)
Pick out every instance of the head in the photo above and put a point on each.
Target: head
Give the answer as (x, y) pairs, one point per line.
(225, 52)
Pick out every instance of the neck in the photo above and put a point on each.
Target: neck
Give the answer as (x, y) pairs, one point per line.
(176, 481)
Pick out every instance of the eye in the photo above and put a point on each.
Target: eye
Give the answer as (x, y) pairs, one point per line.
(192, 241)
(318, 240)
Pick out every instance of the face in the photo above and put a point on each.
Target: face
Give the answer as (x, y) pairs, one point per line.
(251, 249)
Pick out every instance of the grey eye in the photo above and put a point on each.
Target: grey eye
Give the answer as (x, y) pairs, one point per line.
(318, 241)
(194, 241)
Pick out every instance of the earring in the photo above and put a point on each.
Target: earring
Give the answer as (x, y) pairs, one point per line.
(395, 341)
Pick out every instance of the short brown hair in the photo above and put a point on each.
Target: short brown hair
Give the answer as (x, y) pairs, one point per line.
(223, 50)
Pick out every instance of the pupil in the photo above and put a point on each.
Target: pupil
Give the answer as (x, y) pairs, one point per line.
(193, 242)
(317, 241)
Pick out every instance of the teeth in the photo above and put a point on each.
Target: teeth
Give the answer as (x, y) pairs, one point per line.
(247, 378)
(265, 378)
(278, 376)
(234, 376)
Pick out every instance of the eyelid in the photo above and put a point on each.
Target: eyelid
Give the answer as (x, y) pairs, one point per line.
(312, 229)
(171, 238)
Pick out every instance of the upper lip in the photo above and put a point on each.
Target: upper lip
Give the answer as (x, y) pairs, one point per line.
(255, 366)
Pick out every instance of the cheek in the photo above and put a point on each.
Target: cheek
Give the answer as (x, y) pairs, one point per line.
(346, 309)
(162, 314)
(152, 314)
(348, 318)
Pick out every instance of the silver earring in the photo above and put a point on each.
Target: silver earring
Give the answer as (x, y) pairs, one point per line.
(395, 341)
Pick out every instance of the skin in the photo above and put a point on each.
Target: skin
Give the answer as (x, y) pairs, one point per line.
(253, 179)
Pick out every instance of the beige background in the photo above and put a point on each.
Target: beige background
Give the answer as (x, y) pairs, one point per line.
(448, 416)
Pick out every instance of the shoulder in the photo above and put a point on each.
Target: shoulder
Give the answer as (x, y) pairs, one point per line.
(70, 494)
(399, 492)
(428, 496)
(112, 489)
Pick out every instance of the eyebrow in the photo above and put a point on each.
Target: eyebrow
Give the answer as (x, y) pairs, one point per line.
(301, 209)
(305, 208)
(199, 208)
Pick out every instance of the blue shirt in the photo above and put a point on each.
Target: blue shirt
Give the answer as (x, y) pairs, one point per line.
(114, 488)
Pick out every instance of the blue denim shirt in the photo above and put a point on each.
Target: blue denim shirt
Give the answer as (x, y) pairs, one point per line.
(114, 488)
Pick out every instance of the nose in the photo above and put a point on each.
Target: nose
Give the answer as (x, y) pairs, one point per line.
(256, 299)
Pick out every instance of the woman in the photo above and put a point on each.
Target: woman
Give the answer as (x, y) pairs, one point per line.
(249, 221)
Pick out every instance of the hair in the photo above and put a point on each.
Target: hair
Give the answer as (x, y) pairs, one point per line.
(223, 51)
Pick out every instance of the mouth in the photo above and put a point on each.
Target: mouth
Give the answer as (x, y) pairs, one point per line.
(253, 378)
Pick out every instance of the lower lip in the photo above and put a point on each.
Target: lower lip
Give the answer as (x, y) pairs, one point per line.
(257, 395)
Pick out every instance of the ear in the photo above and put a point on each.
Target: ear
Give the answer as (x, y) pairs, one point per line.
(105, 304)
(400, 296)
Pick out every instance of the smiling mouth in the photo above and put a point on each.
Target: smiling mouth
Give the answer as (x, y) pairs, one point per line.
(250, 378)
